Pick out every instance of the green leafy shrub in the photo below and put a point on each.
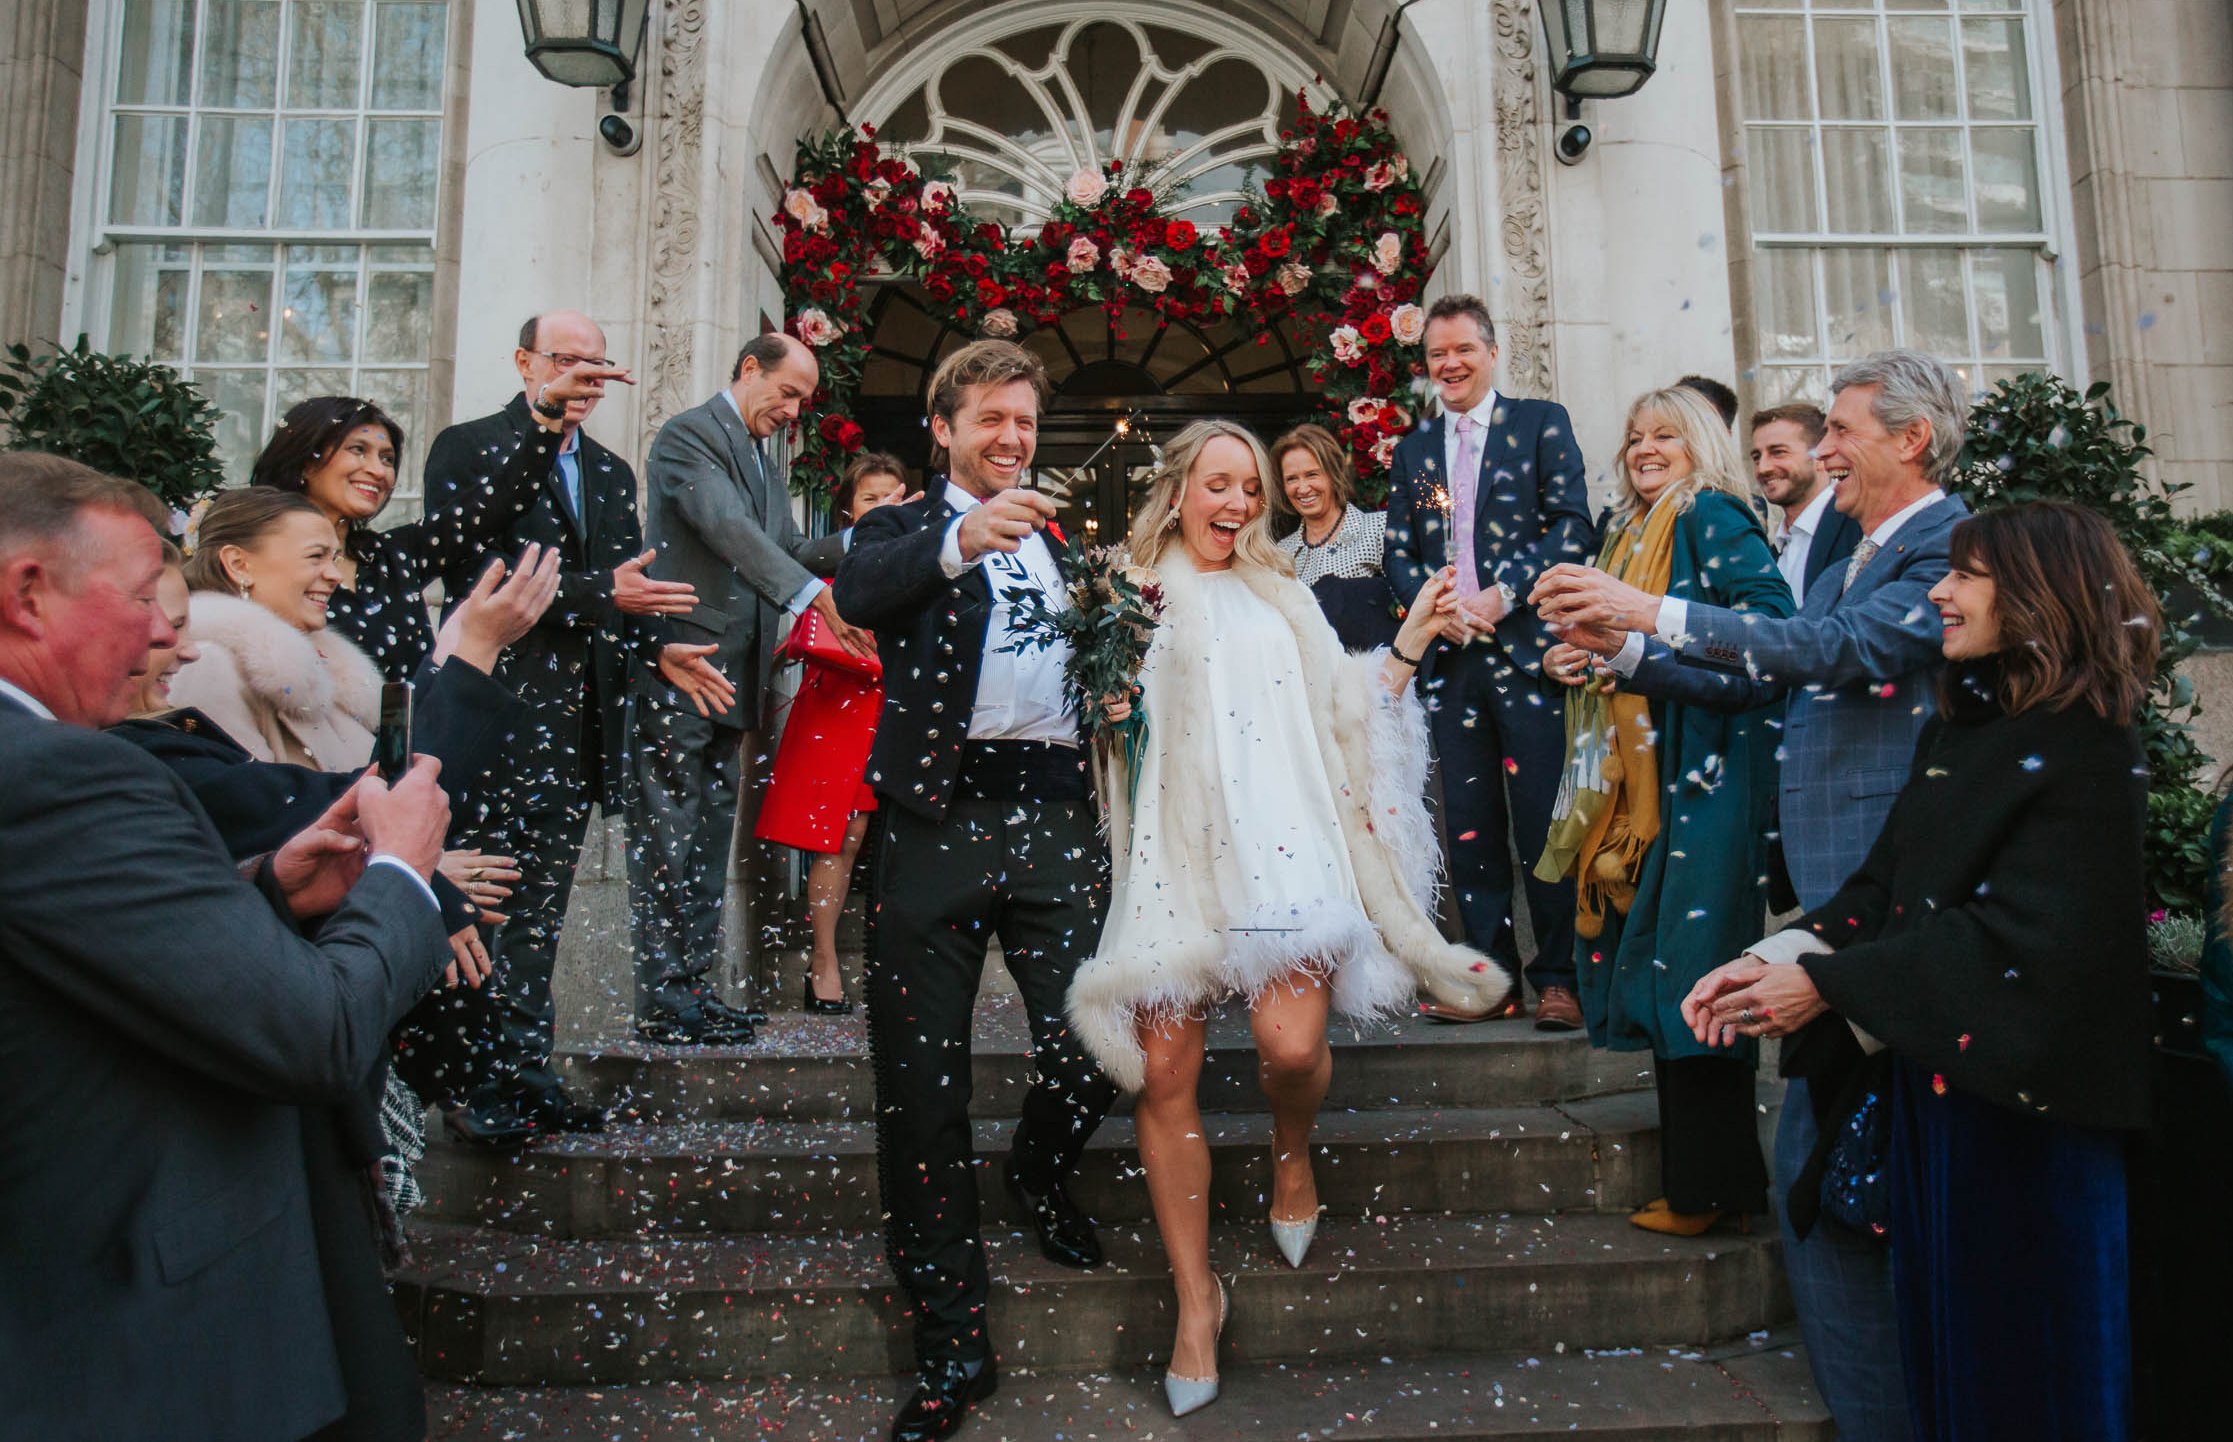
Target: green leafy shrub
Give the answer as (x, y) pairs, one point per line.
(122, 415)
(2035, 438)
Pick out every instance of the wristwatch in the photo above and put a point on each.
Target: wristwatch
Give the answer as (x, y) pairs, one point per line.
(548, 410)
(1511, 597)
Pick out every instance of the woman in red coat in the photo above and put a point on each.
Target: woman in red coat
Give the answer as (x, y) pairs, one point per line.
(816, 800)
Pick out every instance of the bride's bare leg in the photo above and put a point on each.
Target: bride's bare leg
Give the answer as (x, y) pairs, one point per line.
(1168, 1119)
(1293, 1064)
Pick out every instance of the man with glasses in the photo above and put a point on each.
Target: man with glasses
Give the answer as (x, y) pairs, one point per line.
(573, 671)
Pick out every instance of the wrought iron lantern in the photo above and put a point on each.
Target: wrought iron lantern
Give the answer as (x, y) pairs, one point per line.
(585, 42)
(1600, 49)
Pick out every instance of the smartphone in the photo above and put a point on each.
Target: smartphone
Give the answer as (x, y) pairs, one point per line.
(391, 744)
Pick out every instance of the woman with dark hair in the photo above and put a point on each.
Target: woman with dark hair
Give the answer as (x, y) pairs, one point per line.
(343, 453)
(1335, 546)
(1994, 944)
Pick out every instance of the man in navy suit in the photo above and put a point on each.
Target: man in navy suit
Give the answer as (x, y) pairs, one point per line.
(1815, 534)
(1494, 486)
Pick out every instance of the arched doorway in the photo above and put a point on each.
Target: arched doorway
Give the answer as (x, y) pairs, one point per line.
(1012, 104)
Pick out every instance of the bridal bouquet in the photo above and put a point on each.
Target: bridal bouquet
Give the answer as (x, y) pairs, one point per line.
(1109, 623)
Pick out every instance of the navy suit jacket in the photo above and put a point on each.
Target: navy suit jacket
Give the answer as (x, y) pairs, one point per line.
(1531, 512)
(1834, 539)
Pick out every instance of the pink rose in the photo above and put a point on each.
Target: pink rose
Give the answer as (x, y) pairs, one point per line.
(1408, 323)
(1364, 408)
(1327, 204)
(928, 242)
(1084, 255)
(1150, 274)
(817, 329)
(803, 208)
(1121, 261)
(1387, 252)
(938, 196)
(1086, 188)
(999, 323)
(1294, 277)
(1349, 347)
(1384, 450)
(1236, 278)
(876, 193)
(1379, 176)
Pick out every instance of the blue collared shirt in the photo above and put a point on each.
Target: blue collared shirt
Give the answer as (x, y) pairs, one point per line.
(570, 472)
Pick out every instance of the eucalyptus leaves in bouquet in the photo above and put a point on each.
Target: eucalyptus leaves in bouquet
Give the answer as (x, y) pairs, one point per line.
(1109, 623)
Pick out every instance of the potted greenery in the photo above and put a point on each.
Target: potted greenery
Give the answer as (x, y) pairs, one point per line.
(124, 415)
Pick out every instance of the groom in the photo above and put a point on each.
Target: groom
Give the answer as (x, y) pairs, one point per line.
(989, 831)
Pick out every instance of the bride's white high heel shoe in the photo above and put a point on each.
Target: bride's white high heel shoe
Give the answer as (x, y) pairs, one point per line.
(1294, 1238)
(1192, 1394)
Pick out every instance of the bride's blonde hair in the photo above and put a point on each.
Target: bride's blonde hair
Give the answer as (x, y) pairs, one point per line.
(1155, 525)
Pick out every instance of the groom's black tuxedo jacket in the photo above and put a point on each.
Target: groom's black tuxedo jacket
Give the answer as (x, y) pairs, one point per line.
(930, 635)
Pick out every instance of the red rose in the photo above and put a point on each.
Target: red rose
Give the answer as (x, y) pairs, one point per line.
(1180, 234)
(850, 436)
(974, 264)
(1140, 197)
(1275, 242)
(832, 429)
(1375, 329)
(939, 284)
(989, 292)
(1273, 189)
(1303, 193)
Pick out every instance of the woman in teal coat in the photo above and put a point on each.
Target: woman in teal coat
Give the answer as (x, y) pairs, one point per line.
(1664, 811)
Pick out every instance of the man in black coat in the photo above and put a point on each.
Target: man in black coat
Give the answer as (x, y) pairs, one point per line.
(573, 669)
(990, 829)
(163, 1024)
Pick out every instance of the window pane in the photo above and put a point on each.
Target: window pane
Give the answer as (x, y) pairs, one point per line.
(1999, 77)
(291, 387)
(240, 429)
(1932, 196)
(401, 164)
(1857, 292)
(314, 174)
(318, 314)
(158, 53)
(402, 394)
(235, 321)
(1923, 70)
(1774, 385)
(1781, 168)
(407, 57)
(1932, 302)
(1939, 5)
(1783, 299)
(232, 174)
(322, 55)
(240, 55)
(149, 183)
(1845, 70)
(2007, 179)
(149, 316)
(399, 306)
(2010, 325)
(1858, 168)
(1772, 52)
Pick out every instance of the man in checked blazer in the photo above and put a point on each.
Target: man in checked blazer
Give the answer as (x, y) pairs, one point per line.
(720, 518)
(1857, 665)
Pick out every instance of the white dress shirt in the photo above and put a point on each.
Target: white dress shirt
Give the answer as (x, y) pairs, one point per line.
(1020, 693)
(1798, 541)
(1673, 626)
(381, 858)
(814, 584)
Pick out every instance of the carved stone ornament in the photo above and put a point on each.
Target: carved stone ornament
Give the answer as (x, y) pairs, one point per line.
(1524, 327)
(670, 340)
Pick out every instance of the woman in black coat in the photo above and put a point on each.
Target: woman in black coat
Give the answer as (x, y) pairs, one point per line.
(1994, 943)
(343, 454)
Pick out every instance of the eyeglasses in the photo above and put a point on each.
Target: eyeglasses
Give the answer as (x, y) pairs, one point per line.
(567, 360)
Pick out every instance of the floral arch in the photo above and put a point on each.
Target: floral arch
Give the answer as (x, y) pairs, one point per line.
(1329, 244)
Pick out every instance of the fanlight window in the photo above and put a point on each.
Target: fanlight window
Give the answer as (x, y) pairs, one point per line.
(1195, 118)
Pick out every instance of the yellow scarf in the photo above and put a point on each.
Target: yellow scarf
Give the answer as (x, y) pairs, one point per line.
(1607, 813)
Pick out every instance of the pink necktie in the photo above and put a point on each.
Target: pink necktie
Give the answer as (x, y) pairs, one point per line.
(1463, 487)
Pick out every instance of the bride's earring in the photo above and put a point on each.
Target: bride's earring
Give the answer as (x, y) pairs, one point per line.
(1171, 517)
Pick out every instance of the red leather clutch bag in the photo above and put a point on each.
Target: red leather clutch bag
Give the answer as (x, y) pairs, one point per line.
(810, 641)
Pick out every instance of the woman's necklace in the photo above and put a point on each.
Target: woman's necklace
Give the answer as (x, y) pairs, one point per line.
(1331, 532)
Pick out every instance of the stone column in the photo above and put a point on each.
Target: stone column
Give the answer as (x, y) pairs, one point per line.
(42, 52)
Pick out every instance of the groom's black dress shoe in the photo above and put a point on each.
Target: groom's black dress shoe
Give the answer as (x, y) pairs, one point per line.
(1066, 1234)
(944, 1393)
(494, 1125)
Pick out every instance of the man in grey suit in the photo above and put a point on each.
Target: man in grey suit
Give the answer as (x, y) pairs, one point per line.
(1857, 665)
(163, 1023)
(720, 519)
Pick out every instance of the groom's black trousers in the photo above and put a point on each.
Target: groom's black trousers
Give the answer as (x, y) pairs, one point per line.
(1031, 869)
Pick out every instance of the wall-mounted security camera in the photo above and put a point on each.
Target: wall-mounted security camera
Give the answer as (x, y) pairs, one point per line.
(1573, 144)
(621, 134)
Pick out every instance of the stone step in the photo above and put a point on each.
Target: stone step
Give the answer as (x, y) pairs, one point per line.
(1598, 1153)
(1756, 1391)
(503, 1309)
(805, 1068)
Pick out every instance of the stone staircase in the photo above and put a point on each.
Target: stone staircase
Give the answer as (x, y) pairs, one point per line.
(713, 1266)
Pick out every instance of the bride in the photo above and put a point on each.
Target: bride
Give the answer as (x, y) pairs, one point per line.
(1274, 845)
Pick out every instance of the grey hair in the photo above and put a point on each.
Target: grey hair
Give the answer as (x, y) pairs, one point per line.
(1910, 386)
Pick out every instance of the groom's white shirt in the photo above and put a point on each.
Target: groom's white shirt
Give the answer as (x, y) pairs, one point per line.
(1020, 694)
